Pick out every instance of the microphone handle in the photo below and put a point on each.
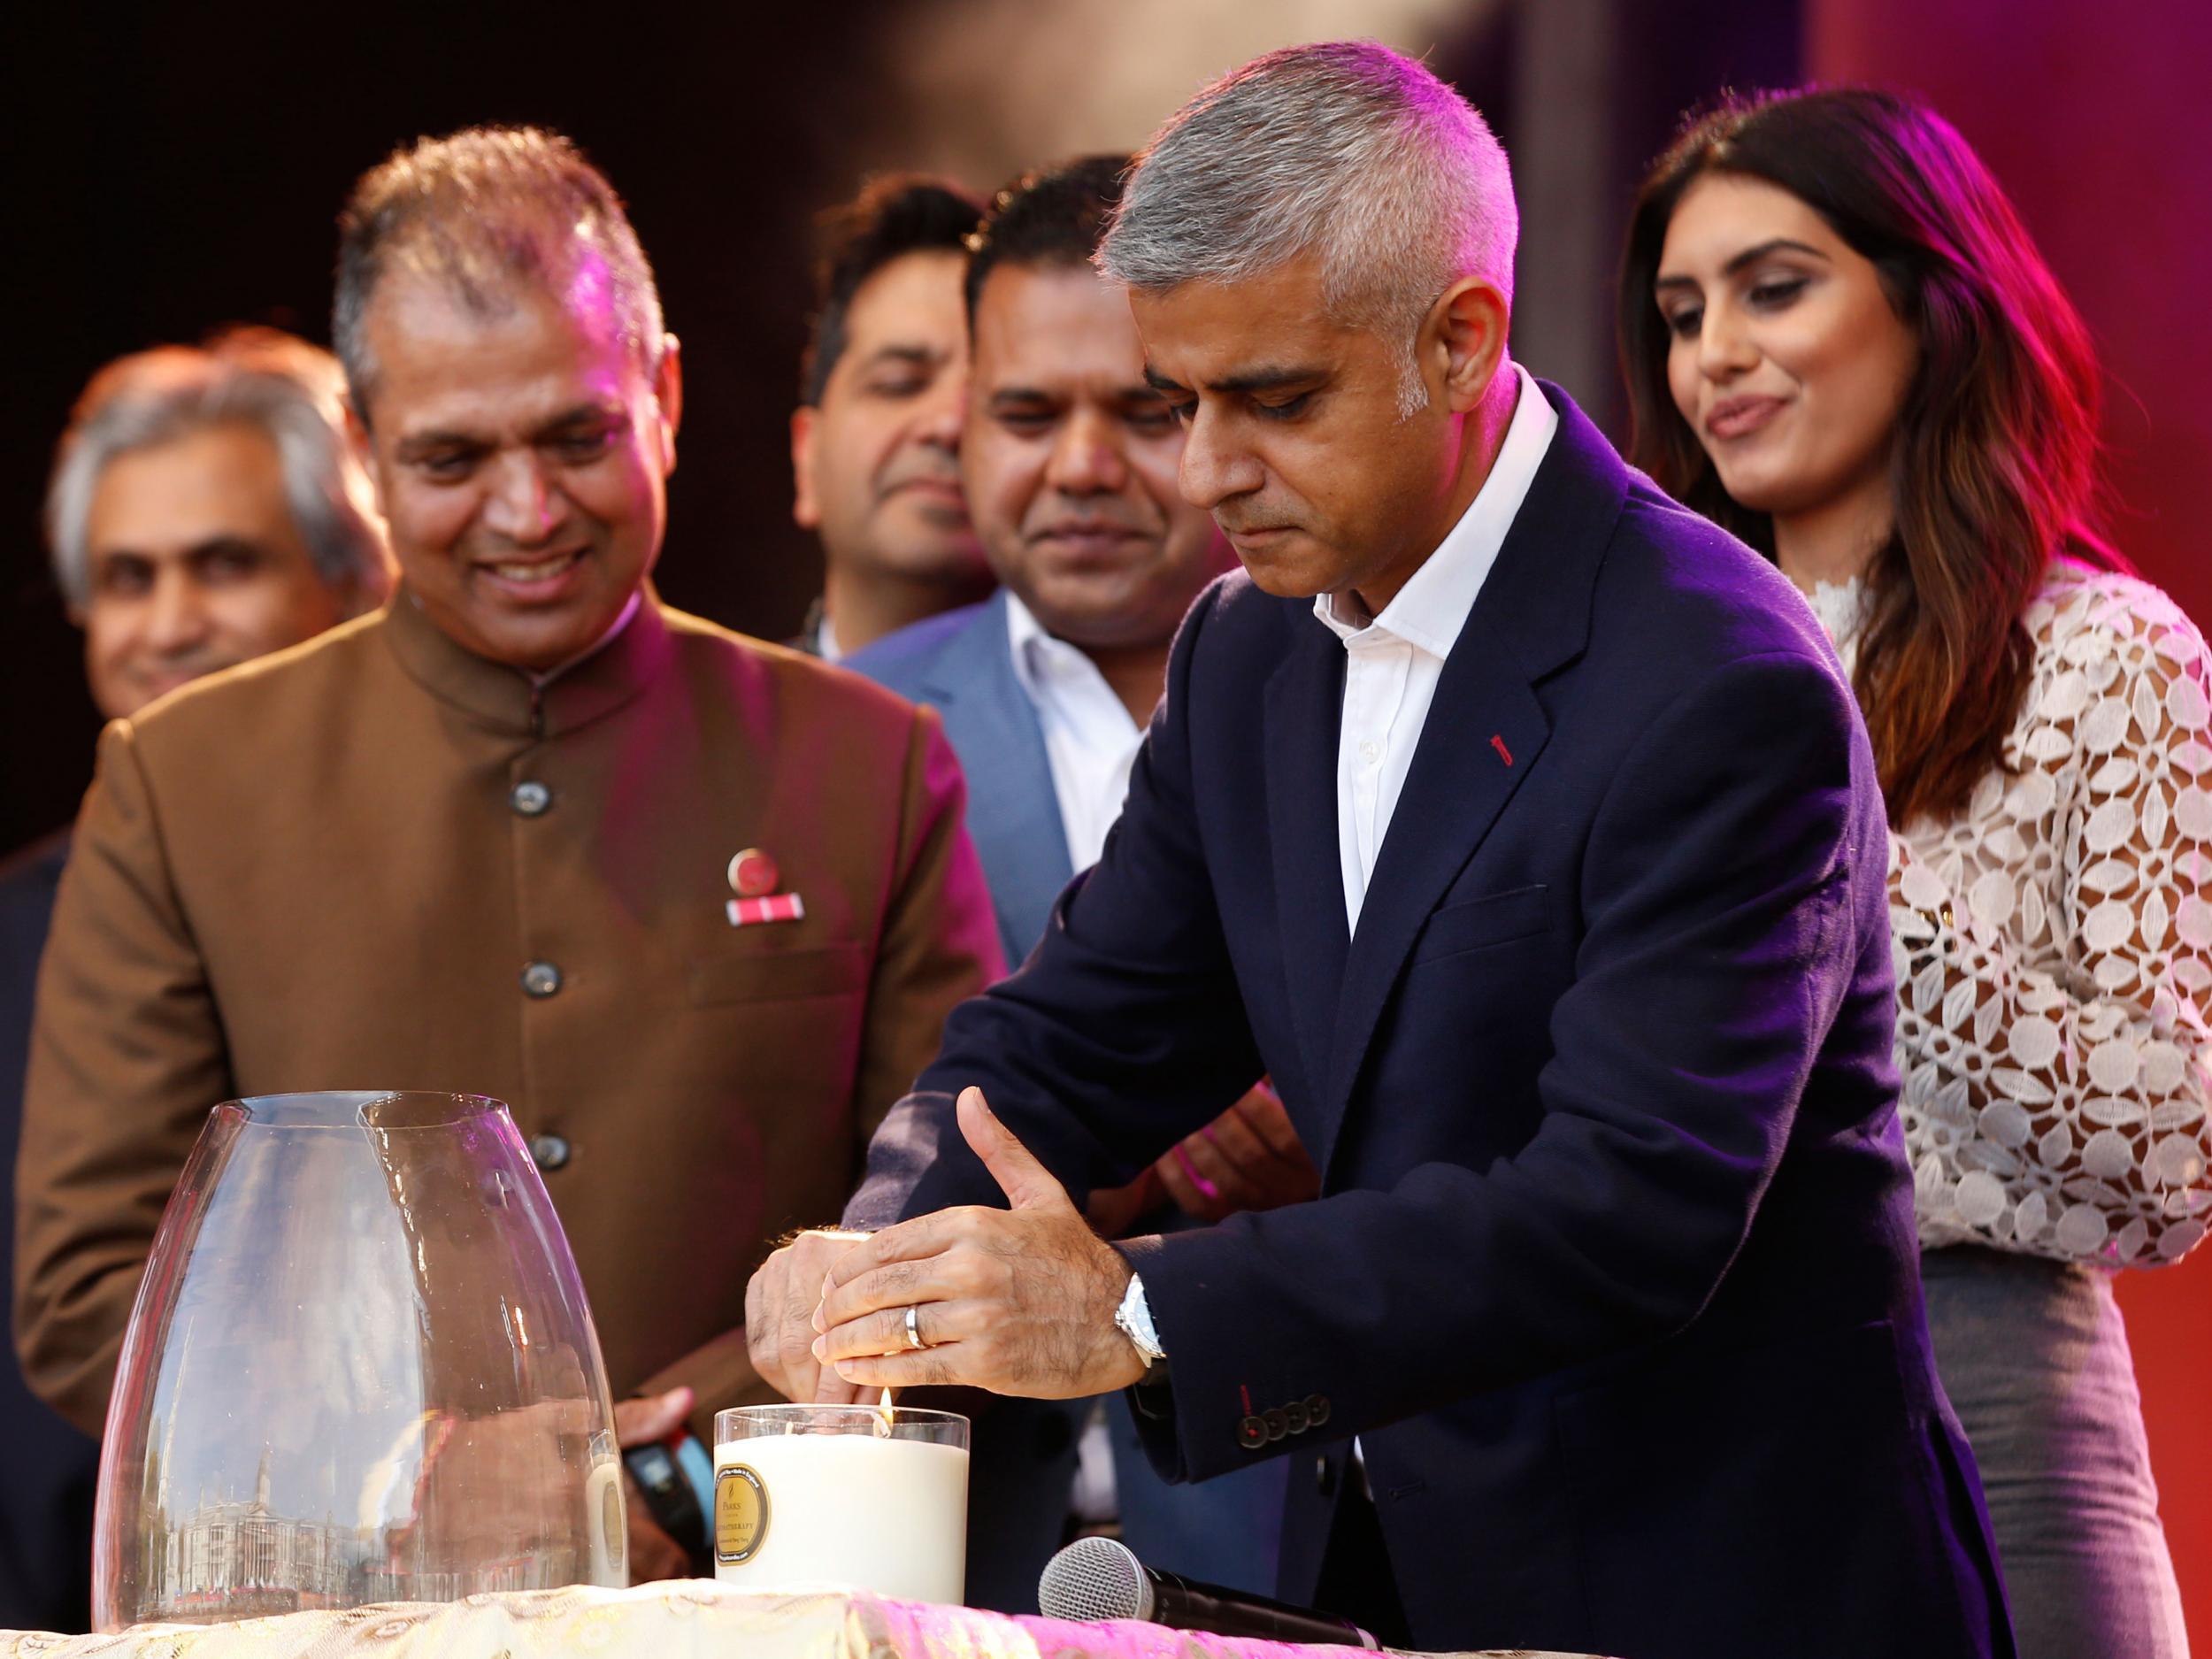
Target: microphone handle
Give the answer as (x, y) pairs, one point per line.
(1186, 1604)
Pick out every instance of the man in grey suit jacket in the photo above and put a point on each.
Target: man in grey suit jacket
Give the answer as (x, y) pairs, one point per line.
(1070, 461)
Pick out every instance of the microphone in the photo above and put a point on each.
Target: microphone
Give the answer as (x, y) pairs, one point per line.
(1101, 1577)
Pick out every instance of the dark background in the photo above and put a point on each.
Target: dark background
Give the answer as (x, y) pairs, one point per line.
(175, 172)
(173, 168)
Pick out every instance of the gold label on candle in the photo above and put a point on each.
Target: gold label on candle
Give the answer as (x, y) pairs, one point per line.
(740, 1514)
(611, 1520)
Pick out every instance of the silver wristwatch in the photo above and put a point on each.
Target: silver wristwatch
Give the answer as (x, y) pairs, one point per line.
(1133, 1319)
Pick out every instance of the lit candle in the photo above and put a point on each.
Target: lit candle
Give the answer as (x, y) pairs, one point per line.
(851, 1497)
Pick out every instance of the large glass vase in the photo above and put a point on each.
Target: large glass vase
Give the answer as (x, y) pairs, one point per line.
(360, 1369)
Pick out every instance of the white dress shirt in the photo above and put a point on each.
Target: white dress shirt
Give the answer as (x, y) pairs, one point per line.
(1393, 661)
(1090, 740)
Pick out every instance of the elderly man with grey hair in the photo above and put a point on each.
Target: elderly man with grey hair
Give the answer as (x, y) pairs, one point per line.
(204, 510)
(1521, 827)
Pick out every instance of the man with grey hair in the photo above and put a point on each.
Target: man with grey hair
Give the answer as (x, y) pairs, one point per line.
(1522, 828)
(526, 832)
(204, 511)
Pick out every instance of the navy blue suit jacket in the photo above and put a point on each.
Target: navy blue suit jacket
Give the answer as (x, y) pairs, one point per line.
(1614, 1271)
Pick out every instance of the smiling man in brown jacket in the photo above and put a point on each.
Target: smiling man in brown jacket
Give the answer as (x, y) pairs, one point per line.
(485, 839)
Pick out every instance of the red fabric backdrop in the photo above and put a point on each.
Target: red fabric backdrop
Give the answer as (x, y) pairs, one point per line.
(2094, 116)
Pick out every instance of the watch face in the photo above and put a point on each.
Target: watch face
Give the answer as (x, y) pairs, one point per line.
(1146, 1351)
(1133, 1319)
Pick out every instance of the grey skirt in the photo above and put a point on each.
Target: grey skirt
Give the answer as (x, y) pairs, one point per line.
(2034, 1356)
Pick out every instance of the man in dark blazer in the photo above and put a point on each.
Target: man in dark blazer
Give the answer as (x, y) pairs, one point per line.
(1521, 826)
(46, 1514)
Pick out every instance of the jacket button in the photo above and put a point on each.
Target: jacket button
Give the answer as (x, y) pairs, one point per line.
(1276, 1423)
(1323, 1476)
(530, 797)
(1251, 1434)
(549, 1152)
(1295, 1415)
(1316, 1410)
(541, 980)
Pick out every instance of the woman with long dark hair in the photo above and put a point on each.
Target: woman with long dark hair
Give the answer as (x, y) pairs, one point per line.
(1841, 344)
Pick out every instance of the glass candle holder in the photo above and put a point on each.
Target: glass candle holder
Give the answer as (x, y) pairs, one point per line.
(360, 1369)
(857, 1497)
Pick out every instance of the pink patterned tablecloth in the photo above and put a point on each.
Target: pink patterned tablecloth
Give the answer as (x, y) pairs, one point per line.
(689, 1619)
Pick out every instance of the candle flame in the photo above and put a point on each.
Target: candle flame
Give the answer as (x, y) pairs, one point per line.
(883, 1417)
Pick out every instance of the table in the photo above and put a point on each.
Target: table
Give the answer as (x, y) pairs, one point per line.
(687, 1620)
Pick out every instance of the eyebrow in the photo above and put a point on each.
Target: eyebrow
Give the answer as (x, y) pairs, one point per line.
(1749, 256)
(223, 542)
(417, 443)
(1250, 380)
(926, 355)
(1143, 392)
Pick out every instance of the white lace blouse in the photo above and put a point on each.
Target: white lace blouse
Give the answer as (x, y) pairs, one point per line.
(2053, 945)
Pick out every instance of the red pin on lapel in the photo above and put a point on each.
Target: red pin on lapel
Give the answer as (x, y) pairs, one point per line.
(753, 874)
(753, 877)
(1497, 742)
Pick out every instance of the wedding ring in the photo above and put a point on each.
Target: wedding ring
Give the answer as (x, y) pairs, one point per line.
(913, 1328)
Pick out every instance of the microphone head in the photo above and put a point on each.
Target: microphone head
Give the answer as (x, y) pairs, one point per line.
(1094, 1578)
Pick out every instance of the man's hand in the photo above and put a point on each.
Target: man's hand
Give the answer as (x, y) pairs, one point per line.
(653, 1553)
(779, 1327)
(1020, 1301)
(1248, 1158)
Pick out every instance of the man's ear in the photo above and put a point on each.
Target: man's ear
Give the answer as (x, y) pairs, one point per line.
(1466, 330)
(668, 391)
(806, 511)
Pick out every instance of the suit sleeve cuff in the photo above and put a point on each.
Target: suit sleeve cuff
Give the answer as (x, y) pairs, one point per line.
(1231, 1396)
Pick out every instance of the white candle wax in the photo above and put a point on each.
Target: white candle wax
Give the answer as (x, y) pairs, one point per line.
(856, 1511)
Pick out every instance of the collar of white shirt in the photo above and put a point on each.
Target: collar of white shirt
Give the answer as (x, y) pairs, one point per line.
(1090, 740)
(1050, 670)
(1429, 611)
(1026, 637)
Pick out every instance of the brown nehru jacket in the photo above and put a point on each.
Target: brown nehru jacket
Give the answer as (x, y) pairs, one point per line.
(377, 861)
